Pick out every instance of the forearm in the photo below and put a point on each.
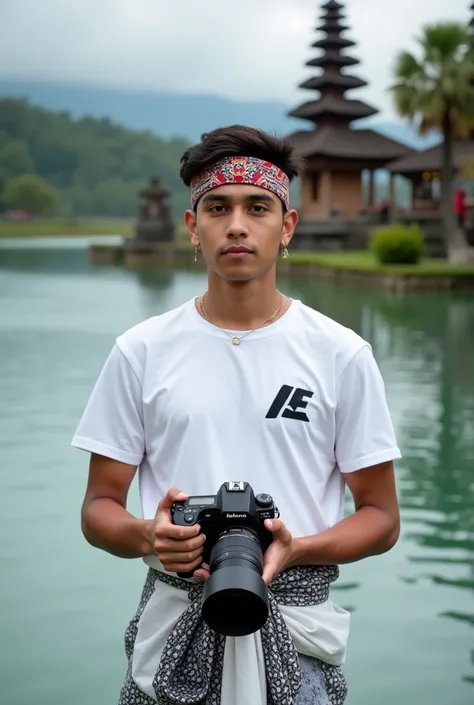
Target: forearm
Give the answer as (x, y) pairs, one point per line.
(366, 533)
(109, 526)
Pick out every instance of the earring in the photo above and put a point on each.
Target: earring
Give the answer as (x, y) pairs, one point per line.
(284, 252)
(196, 252)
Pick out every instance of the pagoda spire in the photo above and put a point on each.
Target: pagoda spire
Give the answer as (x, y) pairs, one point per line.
(332, 108)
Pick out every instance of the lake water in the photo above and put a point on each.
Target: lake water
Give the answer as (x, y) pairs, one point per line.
(64, 605)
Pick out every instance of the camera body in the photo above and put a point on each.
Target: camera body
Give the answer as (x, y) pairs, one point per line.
(234, 508)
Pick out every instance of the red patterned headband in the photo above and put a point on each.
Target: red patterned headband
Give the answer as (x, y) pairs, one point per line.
(242, 170)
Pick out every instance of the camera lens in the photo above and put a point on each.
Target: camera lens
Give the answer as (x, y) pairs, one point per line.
(235, 600)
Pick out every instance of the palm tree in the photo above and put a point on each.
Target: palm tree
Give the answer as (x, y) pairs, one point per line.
(467, 167)
(436, 90)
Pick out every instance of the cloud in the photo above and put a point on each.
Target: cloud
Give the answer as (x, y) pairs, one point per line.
(244, 49)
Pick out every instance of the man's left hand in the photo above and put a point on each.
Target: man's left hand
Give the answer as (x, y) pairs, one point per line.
(278, 555)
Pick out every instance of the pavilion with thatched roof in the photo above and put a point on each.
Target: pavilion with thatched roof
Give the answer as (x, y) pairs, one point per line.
(423, 168)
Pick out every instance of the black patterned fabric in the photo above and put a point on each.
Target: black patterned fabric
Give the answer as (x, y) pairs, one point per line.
(190, 668)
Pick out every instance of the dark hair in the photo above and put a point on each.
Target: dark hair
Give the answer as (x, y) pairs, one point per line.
(238, 141)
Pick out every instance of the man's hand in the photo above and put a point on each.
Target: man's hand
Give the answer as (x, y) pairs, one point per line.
(278, 555)
(179, 548)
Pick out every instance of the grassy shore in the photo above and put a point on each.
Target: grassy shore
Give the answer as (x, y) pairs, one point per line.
(365, 262)
(65, 228)
(356, 261)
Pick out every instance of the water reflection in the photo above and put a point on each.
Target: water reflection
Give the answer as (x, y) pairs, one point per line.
(47, 260)
(440, 455)
(154, 281)
(425, 346)
(59, 316)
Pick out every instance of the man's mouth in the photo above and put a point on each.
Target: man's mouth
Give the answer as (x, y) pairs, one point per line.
(237, 251)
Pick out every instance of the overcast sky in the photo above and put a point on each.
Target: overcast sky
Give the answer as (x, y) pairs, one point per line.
(243, 49)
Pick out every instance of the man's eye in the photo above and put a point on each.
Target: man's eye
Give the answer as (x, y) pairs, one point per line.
(213, 209)
(259, 208)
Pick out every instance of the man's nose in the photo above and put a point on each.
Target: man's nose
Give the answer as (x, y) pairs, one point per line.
(238, 225)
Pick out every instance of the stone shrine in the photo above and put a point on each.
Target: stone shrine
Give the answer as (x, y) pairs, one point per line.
(154, 230)
(154, 224)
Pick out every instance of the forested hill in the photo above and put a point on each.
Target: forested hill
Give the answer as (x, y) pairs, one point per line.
(96, 166)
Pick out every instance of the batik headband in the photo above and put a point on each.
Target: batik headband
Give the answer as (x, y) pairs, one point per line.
(242, 170)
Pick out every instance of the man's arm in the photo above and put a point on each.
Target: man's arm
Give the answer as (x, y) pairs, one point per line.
(112, 431)
(365, 447)
(373, 529)
(105, 521)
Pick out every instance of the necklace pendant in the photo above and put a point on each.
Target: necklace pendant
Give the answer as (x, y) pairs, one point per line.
(235, 341)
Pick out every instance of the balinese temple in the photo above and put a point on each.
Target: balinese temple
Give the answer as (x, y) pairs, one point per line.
(335, 154)
(423, 168)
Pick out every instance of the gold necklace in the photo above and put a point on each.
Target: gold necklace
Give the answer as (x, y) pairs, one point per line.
(234, 338)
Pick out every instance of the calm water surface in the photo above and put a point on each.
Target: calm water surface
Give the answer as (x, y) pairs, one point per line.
(64, 605)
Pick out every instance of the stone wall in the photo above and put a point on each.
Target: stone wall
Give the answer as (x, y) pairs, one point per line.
(334, 235)
(113, 255)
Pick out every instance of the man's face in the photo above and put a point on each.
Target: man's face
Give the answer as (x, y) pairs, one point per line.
(240, 229)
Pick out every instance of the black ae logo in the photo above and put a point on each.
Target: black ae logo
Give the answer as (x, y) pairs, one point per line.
(299, 400)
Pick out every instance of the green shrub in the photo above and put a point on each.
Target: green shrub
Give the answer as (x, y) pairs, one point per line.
(396, 244)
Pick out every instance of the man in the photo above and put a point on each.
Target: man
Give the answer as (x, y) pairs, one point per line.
(240, 383)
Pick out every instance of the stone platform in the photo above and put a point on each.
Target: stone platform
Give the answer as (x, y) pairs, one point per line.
(336, 235)
(303, 266)
(165, 254)
(340, 235)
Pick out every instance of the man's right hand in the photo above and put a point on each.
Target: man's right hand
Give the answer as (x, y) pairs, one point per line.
(179, 548)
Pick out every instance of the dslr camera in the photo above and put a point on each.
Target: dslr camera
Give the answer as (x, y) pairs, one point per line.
(234, 600)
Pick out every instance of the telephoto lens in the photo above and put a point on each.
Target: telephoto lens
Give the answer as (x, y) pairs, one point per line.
(235, 598)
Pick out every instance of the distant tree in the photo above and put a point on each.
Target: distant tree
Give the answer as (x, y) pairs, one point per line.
(96, 166)
(31, 193)
(436, 90)
(15, 158)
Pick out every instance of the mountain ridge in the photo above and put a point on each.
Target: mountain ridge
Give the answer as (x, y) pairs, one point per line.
(182, 115)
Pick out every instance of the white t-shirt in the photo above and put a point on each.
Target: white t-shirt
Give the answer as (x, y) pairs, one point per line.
(291, 409)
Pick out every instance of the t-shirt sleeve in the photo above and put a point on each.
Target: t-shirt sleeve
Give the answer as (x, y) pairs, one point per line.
(112, 422)
(364, 430)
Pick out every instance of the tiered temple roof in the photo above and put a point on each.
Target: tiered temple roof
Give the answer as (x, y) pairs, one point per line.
(333, 106)
(332, 112)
